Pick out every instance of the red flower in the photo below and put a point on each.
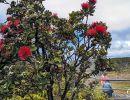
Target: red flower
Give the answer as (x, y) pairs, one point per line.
(101, 28)
(93, 24)
(3, 29)
(16, 22)
(55, 14)
(91, 32)
(85, 5)
(93, 1)
(9, 23)
(9, 18)
(1, 44)
(20, 30)
(24, 52)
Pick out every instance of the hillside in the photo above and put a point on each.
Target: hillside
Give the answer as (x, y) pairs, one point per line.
(121, 63)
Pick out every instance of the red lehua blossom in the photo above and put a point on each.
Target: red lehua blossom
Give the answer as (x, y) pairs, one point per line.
(55, 14)
(93, 24)
(101, 28)
(9, 23)
(3, 29)
(9, 18)
(91, 32)
(93, 1)
(24, 52)
(20, 30)
(85, 5)
(1, 44)
(16, 22)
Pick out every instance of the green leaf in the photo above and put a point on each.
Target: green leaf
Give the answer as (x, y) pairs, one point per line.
(56, 59)
(33, 48)
(60, 65)
(50, 32)
(2, 1)
(81, 48)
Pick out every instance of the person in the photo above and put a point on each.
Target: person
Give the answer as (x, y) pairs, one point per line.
(103, 78)
(107, 88)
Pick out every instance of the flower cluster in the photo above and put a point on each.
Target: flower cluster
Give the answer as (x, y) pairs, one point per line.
(4, 29)
(11, 25)
(88, 5)
(91, 32)
(85, 5)
(93, 1)
(101, 28)
(1, 44)
(24, 52)
(96, 28)
(55, 15)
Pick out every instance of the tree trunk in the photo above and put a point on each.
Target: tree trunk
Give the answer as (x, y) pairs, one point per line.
(73, 95)
(50, 88)
(65, 91)
(49, 92)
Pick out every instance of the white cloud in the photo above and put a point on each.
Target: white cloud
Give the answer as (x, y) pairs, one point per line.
(3, 8)
(119, 53)
(63, 7)
(119, 49)
(128, 36)
(120, 45)
(114, 12)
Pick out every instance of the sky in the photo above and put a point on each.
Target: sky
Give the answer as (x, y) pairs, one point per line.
(113, 12)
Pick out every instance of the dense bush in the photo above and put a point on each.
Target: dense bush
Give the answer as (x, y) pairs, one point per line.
(47, 55)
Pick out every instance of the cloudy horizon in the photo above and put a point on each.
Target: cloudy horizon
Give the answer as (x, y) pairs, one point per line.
(113, 12)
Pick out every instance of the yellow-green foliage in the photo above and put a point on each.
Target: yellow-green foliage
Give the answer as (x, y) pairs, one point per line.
(97, 95)
(28, 97)
(69, 93)
(55, 89)
(83, 93)
(16, 98)
(34, 96)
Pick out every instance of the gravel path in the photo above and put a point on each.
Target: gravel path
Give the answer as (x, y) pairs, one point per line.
(121, 97)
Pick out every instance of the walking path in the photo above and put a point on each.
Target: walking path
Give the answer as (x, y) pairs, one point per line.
(121, 97)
